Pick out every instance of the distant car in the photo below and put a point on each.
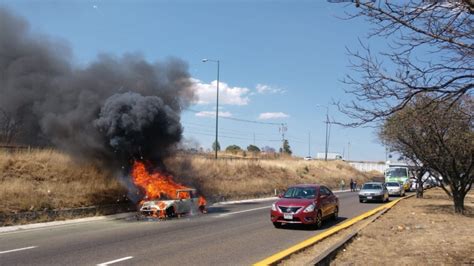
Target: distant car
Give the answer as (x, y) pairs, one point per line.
(308, 158)
(412, 184)
(395, 189)
(373, 191)
(307, 204)
(426, 184)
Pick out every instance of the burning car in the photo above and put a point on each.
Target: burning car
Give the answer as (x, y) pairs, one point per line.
(185, 202)
(163, 196)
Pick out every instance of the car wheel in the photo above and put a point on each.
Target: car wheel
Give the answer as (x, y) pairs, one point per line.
(277, 225)
(335, 214)
(170, 212)
(361, 201)
(319, 220)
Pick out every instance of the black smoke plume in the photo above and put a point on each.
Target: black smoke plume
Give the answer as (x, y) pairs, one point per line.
(111, 111)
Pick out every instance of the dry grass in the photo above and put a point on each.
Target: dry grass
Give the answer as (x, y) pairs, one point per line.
(416, 232)
(250, 178)
(47, 179)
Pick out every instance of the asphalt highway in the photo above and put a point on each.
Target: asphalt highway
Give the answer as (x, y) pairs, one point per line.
(237, 234)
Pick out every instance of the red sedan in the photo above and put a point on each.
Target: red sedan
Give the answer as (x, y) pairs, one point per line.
(305, 204)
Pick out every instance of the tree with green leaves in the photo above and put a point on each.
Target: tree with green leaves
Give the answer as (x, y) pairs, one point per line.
(439, 136)
(216, 146)
(233, 149)
(253, 148)
(286, 148)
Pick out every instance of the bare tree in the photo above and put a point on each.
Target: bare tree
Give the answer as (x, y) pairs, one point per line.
(440, 137)
(9, 127)
(429, 49)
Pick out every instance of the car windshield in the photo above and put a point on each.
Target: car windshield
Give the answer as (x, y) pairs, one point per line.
(397, 172)
(372, 186)
(392, 184)
(300, 193)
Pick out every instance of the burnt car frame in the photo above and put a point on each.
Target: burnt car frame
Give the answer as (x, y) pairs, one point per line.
(186, 202)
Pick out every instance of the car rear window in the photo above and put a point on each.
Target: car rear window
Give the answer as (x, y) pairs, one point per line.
(372, 186)
(392, 184)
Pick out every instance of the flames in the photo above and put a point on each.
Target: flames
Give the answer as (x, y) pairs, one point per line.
(159, 185)
(156, 185)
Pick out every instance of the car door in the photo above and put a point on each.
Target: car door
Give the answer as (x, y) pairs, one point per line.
(325, 201)
(385, 192)
(330, 202)
(183, 203)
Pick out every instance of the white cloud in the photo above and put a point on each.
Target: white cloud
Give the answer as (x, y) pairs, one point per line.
(267, 89)
(276, 115)
(206, 93)
(213, 114)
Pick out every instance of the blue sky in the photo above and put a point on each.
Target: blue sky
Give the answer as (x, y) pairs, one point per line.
(278, 59)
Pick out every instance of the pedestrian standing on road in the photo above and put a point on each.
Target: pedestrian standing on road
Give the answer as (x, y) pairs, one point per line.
(355, 185)
(352, 184)
(342, 184)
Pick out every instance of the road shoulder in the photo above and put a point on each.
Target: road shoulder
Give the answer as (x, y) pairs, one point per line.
(412, 231)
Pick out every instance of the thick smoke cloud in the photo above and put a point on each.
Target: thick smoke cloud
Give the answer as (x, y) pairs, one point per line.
(113, 110)
(139, 125)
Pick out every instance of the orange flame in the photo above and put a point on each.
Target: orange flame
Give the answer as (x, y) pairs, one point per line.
(202, 201)
(157, 185)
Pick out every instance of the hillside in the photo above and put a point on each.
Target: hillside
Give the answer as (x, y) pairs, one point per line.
(48, 179)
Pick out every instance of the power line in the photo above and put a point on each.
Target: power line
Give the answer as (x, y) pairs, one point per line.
(246, 136)
(231, 137)
(282, 126)
(228, 130)
(239, 119)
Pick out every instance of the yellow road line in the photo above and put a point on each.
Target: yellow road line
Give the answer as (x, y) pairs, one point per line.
(308, 242)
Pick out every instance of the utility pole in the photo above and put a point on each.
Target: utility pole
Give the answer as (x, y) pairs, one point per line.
(348, 149)
(309, 143)
(217, 107)
(327, 134)
(283, 129)
(327, 131)
(217, 100)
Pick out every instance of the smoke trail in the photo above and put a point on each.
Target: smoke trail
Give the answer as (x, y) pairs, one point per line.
(112, 110)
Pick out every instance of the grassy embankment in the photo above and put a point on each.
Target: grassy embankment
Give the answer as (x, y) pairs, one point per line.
(256, 178)
(47, 179)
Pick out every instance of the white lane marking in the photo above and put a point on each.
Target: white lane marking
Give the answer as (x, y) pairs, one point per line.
(115, 261)
(245, 201)
(263, 199)
(18, 249)
(249, 210)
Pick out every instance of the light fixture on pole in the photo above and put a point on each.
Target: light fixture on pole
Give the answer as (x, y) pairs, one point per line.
(217, 103)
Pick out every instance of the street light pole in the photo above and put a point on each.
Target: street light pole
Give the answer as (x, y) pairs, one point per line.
(327, 132)
(327, 135)
(217, 103)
